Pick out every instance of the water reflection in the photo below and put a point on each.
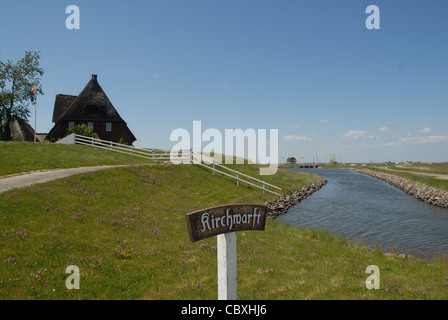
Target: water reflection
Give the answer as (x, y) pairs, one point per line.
(364, 208)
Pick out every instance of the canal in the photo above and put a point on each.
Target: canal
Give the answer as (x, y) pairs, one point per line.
(371, 211)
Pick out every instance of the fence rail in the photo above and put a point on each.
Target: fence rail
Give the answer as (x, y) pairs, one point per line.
(198, 158)
(187, 156)
(156, 155)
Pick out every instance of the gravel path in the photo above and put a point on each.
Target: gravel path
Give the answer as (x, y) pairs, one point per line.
(28, 179)
(437, 175)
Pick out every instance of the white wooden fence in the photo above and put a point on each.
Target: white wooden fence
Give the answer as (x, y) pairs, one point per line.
(158, 156)
(202, 160)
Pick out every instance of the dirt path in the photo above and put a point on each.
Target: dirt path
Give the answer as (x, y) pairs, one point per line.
(28, 179)
(436, 175)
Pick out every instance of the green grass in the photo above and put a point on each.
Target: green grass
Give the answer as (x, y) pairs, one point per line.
(17, 157)
(437, 168)
(404, 172)
(125, 229)
(426, 180)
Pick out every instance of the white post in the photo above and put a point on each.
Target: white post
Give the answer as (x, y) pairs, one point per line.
(227, 266)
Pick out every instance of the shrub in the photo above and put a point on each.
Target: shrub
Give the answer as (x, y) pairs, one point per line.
(83, 130)
(122, 141)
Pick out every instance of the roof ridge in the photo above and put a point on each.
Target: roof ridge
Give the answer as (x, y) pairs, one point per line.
(92, 104)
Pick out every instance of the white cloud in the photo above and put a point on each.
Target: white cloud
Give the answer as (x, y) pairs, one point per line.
(354, 134)
(413, 140)
(296, 138)
(426, 130)
(424, 140)
(384, 129)
(324, 121)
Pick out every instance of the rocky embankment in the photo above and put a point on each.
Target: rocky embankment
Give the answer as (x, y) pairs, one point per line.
(430, 195)
(281, 205)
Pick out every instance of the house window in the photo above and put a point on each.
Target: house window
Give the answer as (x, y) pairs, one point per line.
(90, 124)
(71, 124)
(109, 126)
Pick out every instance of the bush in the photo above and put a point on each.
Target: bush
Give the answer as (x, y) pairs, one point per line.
(122, 141)
(83, 130)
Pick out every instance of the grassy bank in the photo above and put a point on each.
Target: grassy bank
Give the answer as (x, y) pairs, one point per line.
(426, 180)
(407, 171)
(125, 230)
(16, 157)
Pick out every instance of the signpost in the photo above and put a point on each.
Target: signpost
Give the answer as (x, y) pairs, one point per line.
(224, 221)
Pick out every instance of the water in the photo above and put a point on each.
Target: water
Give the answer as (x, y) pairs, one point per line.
(364, 208)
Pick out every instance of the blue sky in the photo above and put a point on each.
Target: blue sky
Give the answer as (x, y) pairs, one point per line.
(310, 69)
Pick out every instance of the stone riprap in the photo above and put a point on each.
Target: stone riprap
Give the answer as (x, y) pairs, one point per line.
(430, 195)
(281, 205)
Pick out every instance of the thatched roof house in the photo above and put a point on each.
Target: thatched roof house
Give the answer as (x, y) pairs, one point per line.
(22, 131)
(93, 108)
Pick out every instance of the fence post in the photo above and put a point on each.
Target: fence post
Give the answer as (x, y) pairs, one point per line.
(263, 187)
(227, 266)
(130, 150)
(213, 168)
(237, 177)
(191, 155)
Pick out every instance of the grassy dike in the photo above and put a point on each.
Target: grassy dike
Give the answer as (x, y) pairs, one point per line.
(405, 171)
(17, 157)
(125, 229)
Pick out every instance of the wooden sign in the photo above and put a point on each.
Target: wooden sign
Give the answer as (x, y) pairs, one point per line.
(223, 219)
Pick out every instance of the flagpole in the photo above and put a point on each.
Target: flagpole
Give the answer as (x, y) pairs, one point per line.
(35, 119)
(33, 99)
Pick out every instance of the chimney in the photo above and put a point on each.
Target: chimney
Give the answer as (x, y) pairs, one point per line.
(94, 77)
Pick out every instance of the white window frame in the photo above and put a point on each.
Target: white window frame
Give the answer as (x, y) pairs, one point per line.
(71, 124)
(90, 124)
(108, 126)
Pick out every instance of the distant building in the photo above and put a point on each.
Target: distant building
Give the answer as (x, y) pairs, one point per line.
(21, 130)
(93, 108)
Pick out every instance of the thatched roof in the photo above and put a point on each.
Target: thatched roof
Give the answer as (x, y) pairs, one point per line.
(21, 130)
(91, 104)
(61, 105)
